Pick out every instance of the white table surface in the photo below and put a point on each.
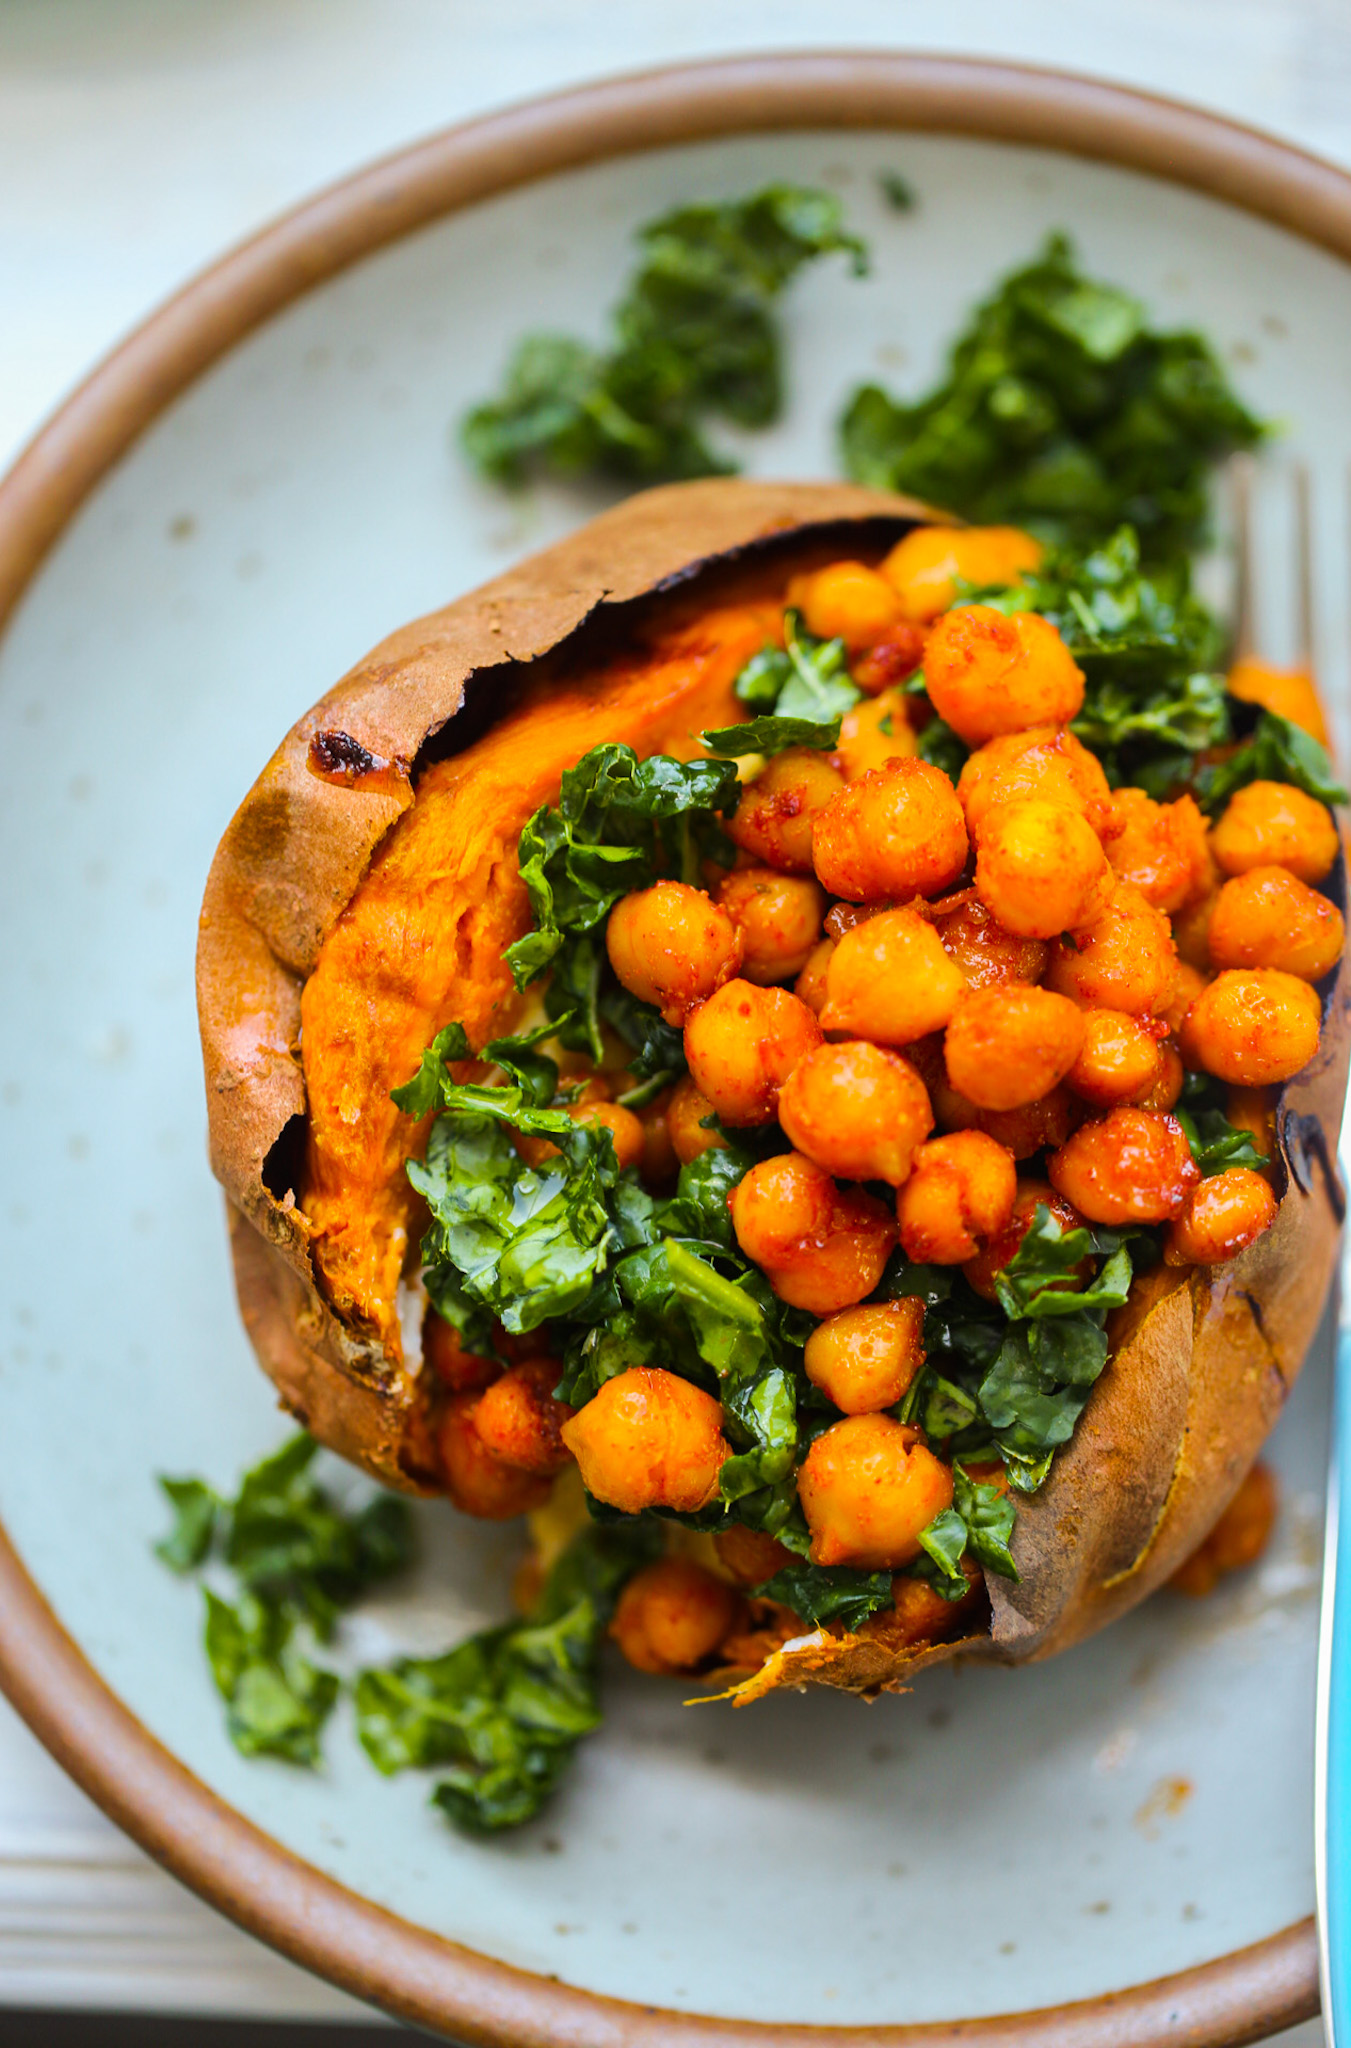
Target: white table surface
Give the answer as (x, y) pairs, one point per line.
(138, 138)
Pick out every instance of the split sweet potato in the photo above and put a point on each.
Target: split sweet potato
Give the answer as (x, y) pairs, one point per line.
(366, 892)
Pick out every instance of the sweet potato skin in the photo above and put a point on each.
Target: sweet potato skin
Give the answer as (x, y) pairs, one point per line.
(301, 842)
(1202, 1360)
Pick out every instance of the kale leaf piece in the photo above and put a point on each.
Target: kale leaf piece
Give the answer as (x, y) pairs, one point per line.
(522, 1243)
(694, 337)
(733, 1324)
(197, 1508)
(981, 1521)
(821, 1593)
(506, 1708)
(1216, 1144)
(1150, 652)
(619, 824)
(290, 1545)
(298, 1560)
(1278, 751)
(277, 1701)
(800, 692)
(1061, 411)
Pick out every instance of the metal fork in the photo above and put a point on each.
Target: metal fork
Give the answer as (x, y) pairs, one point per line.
(1332, 1752)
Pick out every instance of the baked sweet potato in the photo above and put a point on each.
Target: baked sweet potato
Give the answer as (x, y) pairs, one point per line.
(366, 893)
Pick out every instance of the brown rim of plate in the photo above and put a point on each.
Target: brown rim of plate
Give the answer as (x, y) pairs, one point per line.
(421, 1977)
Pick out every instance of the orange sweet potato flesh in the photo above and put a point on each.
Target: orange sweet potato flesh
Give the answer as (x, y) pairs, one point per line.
(423, 939)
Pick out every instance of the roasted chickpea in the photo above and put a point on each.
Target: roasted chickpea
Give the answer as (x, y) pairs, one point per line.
(896, 834)
(626, 1130)
(685, 1122)
(1046, 762)
(1031, 1128)
(1269, 918)
(868, 1486)
(1002, 1246)
(1220, 1219)
(889, 979)
(624, 1127)
(1161, 848)
(846, 601)
(988, 956)
(743, 1044)
(872, 734)
(1289, 692)
(749, 1555)
(519, 1420)
(857, 1110)
(921, 1615)
(892, 661)
(1119, 1061)
(773, 821)
(987, 674)
(1006, 1047)
(865, 1358)
(457, 1368)
(779, 919)
(821, 1247)
(810, 986)
(671, 946)
(477, 1482)
(1238, 1538)
(1273, 824)
(924, 567)
(1124, 960)
(1134, 1166)
(1168, 1086)
(1252, 1027)
(649, 1439)
(672, 1615)
(961, 1189)
(1040, 869)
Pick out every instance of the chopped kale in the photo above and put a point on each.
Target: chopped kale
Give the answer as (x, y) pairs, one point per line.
(1216, 1144)
(1150, 652)
(197, 1508)
(298, 1561)
(506, 1708)
(821, 1593)
(1277, 752)
(1061, 411)
(277, 1701)
(694, 338)
(620, 824)
(524, 1243)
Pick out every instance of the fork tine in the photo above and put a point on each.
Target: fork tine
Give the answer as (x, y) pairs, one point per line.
(1241, 495)
(1303, 546)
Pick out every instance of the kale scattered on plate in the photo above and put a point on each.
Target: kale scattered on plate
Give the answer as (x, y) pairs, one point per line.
(1063, 411)
(296, 1561)
(695, 338)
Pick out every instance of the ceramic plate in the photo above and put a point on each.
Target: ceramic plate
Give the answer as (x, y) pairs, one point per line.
(990, 1843)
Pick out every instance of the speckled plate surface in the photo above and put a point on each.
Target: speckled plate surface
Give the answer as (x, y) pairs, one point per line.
(992, 1842)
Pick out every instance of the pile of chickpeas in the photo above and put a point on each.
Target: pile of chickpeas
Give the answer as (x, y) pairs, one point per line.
(927, 986)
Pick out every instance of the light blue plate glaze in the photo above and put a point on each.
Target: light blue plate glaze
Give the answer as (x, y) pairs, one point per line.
(994, 1840)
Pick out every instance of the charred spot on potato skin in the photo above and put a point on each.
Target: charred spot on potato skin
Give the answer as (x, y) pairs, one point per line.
(336, 757)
